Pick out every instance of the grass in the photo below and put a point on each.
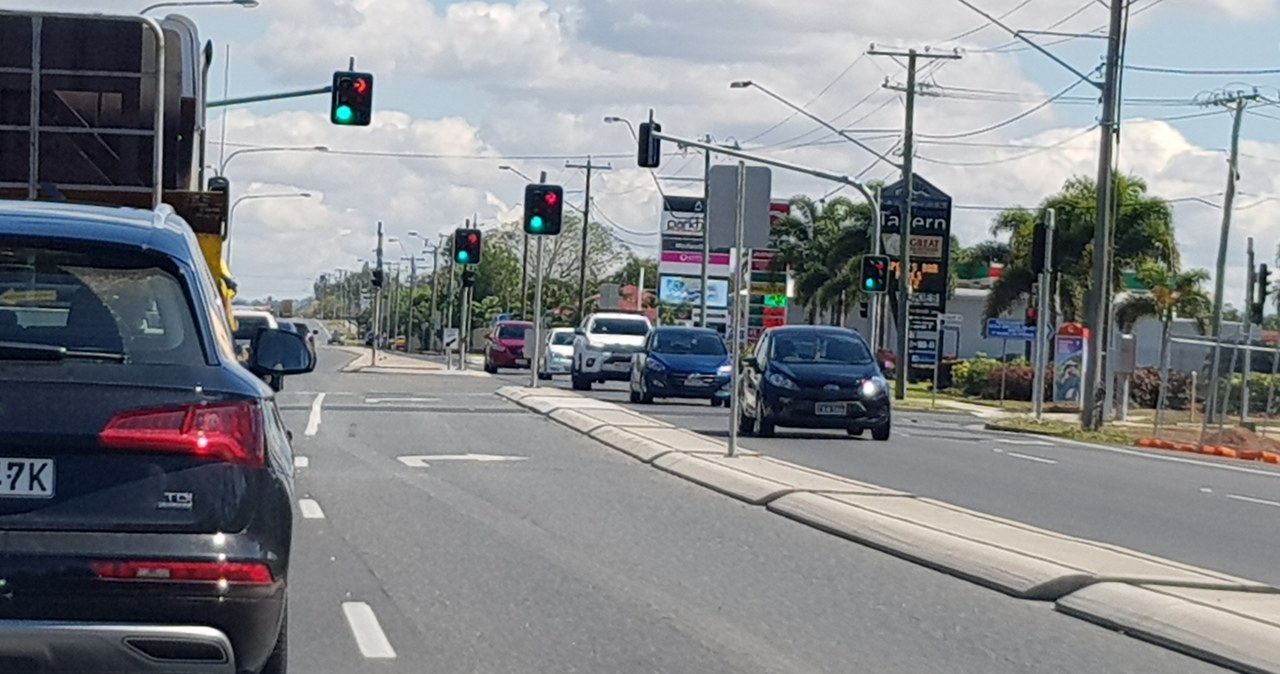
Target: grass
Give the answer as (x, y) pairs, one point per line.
(1109, 435)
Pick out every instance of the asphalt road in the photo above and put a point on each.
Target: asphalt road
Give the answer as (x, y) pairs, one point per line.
(1217, 513)
(529, 548)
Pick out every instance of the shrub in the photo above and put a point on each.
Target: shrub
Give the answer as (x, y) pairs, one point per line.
(970, 376)
(1018, 380)
(1144, 389)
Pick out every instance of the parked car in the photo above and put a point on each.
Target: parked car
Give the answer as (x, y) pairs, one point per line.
(603, 346)
(248, 323)
(813, 377)
(147, 512)
(557, 354)
(680, 362)
(504, 346)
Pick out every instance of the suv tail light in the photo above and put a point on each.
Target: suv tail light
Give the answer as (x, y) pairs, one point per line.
(222, 573)
(230, 432)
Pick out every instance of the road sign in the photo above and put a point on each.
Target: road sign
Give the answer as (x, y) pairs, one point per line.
(952, 319)
(930, 241)
(722, 190)
(450, 339)
(1010, 329)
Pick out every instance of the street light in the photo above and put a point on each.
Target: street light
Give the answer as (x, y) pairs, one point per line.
(248, 197)
(222, 168)
(746, 84)
(505, 167)
(247, 4)
(614, 119)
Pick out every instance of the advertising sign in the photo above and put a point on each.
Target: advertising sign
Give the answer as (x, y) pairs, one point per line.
(687, 290)
(929, 238)
(1069, 362)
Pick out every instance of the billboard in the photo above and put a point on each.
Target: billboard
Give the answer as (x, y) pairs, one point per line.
(687, 290)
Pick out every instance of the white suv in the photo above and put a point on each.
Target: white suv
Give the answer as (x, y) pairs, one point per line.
(603, 347)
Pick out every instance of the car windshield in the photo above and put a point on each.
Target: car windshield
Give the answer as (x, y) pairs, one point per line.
(248, 326)
(689, 343)
(513, 331)
(95, 299)
(820, 348)
(562, 339)
(630, 327)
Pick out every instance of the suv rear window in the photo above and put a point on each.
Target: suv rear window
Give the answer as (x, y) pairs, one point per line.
(96, 298)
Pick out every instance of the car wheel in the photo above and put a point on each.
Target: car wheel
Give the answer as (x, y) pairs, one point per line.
(764, 425)
(579, 383)
(746, 424)
(544, 376)
(881, 432)
(278, 662)
(633, 396)
(855, 432)
(488, 367)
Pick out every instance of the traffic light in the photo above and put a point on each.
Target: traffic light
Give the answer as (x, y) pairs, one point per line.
(352, 101)
(543, 208)
(1258, 308)
(468, 278)
(875, 273)
(1038, 262)
(377, 278)
(1031, 317)
(650, 154)
(466, 246)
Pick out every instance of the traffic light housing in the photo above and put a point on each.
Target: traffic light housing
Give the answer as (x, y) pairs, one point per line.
(1039, 264)
(468, 278)
(875, 273)
(650, 151)
(466, 246)
(352, 99)
(1031, 316)
(377, 279)
(1258, 308)
(543, 209)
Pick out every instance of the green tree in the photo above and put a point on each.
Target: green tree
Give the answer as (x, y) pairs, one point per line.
(1143, 233)
(823, 243)
(1169, 293)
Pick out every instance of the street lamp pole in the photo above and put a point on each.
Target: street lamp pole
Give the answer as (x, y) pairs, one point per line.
(247, 4)
(222, 166)
(248, 197)
(524, 258)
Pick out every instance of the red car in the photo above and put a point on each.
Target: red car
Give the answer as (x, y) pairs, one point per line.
(505, 346)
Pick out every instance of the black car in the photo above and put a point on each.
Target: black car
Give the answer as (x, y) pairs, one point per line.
(146, 499)
(813, 377)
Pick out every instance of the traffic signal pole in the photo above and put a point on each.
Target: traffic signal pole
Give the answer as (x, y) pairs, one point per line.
(1043, 341)
(586, 227)
(377, 302)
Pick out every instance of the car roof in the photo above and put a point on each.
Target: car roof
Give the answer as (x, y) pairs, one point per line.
(251, 313)
(161, 230)
(502, 323)
(618, 314)
(683, 328)
(810, 329)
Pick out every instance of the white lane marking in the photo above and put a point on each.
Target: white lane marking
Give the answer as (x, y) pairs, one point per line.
(301, 462)
(1033, 443)
(1206, 490)
(310, 509)
(997, 450)
(421, 461)
(1172, 459)
(379, 401)
(313, 422)
(1028, 457)
(370, 638)
(1250, 499)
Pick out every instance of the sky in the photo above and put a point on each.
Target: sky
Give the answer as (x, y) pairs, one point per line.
(464, 87)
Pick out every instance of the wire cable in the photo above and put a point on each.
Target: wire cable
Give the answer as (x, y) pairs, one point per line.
(999, 125)
(1002, 160)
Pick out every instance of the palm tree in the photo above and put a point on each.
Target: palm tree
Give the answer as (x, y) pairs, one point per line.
(823, 243)
(1170, 292)
(1143, 233)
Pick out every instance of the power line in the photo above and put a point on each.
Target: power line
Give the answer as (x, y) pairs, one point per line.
(1003, 160)
(1170, 70)
(816, 96)
(1022, 115)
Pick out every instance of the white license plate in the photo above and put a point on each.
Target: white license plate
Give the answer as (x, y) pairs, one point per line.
(830, 409)
(617, 367)
(522, 362)
(26, 478)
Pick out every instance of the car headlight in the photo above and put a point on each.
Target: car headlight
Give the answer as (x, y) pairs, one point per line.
(725, 370)
(872, 388)
(782, 382)
(655, 366)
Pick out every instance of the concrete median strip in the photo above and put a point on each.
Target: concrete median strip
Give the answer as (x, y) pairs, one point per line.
(1240, 630)
(1226, 620)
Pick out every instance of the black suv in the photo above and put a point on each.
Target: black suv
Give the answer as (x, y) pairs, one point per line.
(146, 503)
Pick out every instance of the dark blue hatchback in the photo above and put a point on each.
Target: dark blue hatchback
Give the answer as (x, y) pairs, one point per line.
(146, 501)
(680, 362)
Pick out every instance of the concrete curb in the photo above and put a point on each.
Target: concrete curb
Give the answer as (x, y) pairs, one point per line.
(758, 480)
(1196, 622)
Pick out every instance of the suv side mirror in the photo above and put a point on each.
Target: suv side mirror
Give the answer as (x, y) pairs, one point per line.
(276, 353)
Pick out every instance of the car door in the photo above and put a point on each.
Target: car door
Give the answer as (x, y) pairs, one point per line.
(638, 361)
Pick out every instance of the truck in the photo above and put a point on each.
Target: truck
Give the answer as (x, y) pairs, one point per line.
(110, 110)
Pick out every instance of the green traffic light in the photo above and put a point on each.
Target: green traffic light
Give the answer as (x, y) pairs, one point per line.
(871, 284)
(344, 114)
(463, 257)
(535, 223)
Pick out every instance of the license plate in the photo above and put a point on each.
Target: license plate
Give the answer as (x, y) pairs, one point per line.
(617, 366)
(26, 478)
(522, 362)
(830, 409)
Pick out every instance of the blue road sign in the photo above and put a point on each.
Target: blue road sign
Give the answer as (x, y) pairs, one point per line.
(1010, 329)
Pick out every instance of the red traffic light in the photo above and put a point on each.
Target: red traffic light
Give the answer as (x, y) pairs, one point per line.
(550, 198)
(360, 86)
(472, 238)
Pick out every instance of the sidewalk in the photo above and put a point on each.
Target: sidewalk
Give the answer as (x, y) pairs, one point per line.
(398, 363)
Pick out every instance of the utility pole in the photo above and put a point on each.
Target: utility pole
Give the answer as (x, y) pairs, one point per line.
(706, 232)
(904, 236)
(373, 362)
(413, 285)
(1248, 332)
(586, 225)
(1091, 411)
(435, 291)
(524, 272)
(1237, 102)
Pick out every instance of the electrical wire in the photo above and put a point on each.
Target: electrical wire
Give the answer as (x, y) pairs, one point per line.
(988, 24)
(605, 216)
(1002, 160)
(999, 125)
(1169, 70)
(811, 101)
(1015, 46)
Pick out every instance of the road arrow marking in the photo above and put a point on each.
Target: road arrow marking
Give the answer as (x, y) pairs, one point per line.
(421, 461)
